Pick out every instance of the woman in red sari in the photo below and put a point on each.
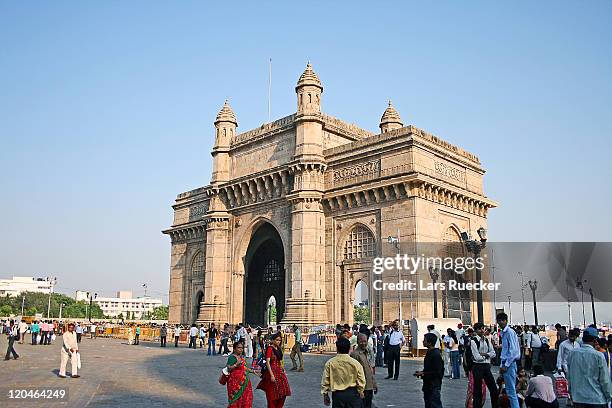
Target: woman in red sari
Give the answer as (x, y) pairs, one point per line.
(239, 391)
(274, 380)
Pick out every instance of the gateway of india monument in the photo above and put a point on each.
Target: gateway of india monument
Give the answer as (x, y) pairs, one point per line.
(298, 208)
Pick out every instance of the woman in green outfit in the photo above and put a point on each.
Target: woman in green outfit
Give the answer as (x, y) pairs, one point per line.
(239, 391)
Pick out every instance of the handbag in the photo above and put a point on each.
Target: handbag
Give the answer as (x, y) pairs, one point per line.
(78, 357)
(224, 376)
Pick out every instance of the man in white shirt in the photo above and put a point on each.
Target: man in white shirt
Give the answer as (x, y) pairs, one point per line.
(565, 348)
(482, 352)
(193, 333)
(534, 343)
(432, 329)
(202, 335)
(93, 331)
(13, 334)
(177, 334)
(70, 349)
(447, 350)
(23, 328)
(396, 342)
(241, 333)
(540, 392)
(79, 332)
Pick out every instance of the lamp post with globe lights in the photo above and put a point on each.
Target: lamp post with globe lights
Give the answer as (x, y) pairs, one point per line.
(434, 274)
(476, 247)
(533, 285)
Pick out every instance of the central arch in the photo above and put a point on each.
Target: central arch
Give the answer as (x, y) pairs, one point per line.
(264, 265)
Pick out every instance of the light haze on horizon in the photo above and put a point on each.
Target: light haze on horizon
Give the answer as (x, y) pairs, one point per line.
(107, 111)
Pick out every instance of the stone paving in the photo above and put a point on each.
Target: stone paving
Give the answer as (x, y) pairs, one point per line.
(116, 374)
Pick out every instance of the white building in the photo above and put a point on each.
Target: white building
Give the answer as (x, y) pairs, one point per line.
(17, 285)
(127, 305)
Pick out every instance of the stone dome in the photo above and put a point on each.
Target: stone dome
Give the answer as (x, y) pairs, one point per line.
(309, 77)
(391, 116)
(226, 114)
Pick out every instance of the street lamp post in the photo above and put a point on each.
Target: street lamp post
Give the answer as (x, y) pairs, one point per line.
(91, 298)
(533, 285)
(435, 274)
(395, 241)
(523, 285)
(580, 285)
(22, 303)
(509, 309)
(475, 247)
(52, 282)
(60, 313)
(593, 306)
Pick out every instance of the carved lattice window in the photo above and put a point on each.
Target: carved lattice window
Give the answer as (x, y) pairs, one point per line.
(359, 244)
(272, 271)
(197, 265)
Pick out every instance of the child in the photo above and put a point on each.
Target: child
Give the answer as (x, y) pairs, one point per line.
(522, 383)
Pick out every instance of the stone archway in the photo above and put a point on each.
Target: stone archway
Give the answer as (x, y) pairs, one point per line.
(265, 276)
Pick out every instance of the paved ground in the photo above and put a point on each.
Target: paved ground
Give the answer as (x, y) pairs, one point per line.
(115, 374)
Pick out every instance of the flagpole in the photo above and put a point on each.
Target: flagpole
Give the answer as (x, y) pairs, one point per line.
(270, 91)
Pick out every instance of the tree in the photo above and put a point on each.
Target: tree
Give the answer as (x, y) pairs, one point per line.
(361, 314)
(120, 316)
(6, 310)
(160, 313)
(38, 303)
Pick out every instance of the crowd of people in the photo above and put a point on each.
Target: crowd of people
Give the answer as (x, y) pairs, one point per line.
(583, 360)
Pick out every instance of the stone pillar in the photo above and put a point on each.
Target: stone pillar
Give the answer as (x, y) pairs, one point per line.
(214, 308)
(177, 276)
(306, 303)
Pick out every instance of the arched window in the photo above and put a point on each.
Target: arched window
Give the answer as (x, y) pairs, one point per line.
(197, 265)
(455, 303)
(272, 271)
(359, 244)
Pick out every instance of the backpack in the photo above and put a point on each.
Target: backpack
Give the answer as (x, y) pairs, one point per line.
(468, 359)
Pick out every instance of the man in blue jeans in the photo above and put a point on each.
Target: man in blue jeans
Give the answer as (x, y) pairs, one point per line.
(212, 336)
(510, 354)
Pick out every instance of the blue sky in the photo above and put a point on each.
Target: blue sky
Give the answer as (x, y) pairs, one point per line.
(106, 112)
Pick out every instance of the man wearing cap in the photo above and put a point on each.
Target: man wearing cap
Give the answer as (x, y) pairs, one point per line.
(587, 374)
(70, 349)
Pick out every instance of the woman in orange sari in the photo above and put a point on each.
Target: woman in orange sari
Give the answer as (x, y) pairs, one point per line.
(274, 380)
(239, 391)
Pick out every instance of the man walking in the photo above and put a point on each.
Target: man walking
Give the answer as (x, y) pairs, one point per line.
(79, 332)
(588, 375)
(23, 328)
(163, 334)
(177, 334)
(212, 337)
(202, 335)
(34, 329)
(363, 356)
(296, 350)
(432, 374)
(534, 344)
(12, 334)
(193, 333)
(566, 347)
(396, 342)
(93, 331)
(482, 352)
(70, 349)
(343, 376)
(511, 353)
(137, 340)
